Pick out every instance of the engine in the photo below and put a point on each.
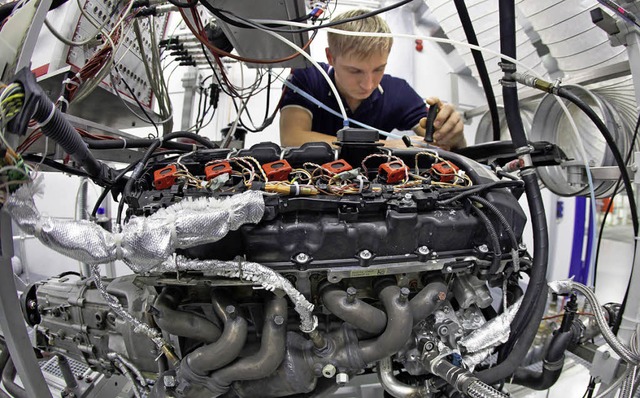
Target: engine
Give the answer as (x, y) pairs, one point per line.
(360, 259)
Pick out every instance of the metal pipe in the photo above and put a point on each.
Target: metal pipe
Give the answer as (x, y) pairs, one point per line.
(393, 386)
(216, 355)
(8, 376)
(182, 323)
(270, 355)
(398, 329)
(353, 310)
(428, 300)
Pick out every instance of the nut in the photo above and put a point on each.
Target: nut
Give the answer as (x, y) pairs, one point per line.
(328, 371)
(342, 378)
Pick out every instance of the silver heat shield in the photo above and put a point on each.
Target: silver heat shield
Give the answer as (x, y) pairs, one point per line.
(492, 333)
(145, 242)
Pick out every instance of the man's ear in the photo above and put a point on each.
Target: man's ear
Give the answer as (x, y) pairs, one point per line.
(327, 51)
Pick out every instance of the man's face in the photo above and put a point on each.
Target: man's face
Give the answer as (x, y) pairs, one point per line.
(356, 78)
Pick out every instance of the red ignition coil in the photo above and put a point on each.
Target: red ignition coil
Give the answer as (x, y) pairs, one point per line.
(213, 170)
(278, 170)
(337, 166)
(392, 172)
(165, 177)
(445, 171)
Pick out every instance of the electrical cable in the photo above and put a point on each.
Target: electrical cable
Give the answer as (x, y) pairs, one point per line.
(135, 98)
(252, 23)
(610, 204)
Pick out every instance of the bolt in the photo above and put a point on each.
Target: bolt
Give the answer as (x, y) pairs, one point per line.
(278, 320)
(302, 258)
(408, 197)
(365, 254)
(328, 371)
(404, 295)
(169, 381)
(522, 246)
(231, 311)
(483, 249)
(443, 330)
(429, 346)
(449, 269)
(351, 294)
(445, 309)
(342, 378)
(32, 305)
(423, 250)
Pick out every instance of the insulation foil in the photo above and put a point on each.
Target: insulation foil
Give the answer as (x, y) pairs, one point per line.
(253, 272)
(492, 333)
(145, 242)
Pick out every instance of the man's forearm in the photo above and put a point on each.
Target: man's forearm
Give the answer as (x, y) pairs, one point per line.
(300, 137)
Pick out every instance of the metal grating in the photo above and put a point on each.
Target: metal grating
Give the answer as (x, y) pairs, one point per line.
(51, 367)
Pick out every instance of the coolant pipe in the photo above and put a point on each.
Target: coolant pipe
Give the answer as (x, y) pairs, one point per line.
(181, 323)
(399, 325)
(552, 367)
(395, 387)
(216, 355)
(270, 355)
(535, 297)
(428, 300)
(352, 310)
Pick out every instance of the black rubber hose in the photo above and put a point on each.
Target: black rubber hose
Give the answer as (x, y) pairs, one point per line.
(577, 101)
(506, 368)
(503, 221)
(181, 323)
(493, 238)
(55, 126)
(8, 376)
(134, 143)
(552, 367)
(478, 58)
(138, 170)
(533, 298)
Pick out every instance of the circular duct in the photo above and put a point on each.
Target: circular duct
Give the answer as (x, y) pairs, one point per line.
(484, 132)
(550, 123)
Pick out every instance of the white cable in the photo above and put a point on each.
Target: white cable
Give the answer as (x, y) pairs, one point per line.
(334, 90)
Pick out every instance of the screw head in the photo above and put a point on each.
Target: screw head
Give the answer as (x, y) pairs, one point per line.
(342, 378)
(424, 250)
(278, 320)
(328, 371)
(483, 249)
(169, 381)
(302, 258)
(408, 197)
(365, 254)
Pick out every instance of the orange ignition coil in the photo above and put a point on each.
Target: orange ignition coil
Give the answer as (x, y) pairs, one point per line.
(278, 170)
(445, 171)
(392, 172)
(337, 166)
(213, 170)
(165, 177)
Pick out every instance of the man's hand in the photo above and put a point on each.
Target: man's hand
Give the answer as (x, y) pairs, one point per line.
(448, 127)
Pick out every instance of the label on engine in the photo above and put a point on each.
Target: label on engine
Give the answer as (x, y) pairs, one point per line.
(367, 272)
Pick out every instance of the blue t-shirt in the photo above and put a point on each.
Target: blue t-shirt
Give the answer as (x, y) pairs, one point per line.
(393, 105)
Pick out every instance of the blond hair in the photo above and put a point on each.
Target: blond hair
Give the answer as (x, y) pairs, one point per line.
(359, 46)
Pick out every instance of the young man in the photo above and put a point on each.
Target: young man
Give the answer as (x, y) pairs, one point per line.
(356, 66)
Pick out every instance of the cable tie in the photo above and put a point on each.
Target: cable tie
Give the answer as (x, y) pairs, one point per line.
(118, 241)
(48, 119)
(124, 142)
(72, 82)
(359, 178)
(63, 99)
(295, 184)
